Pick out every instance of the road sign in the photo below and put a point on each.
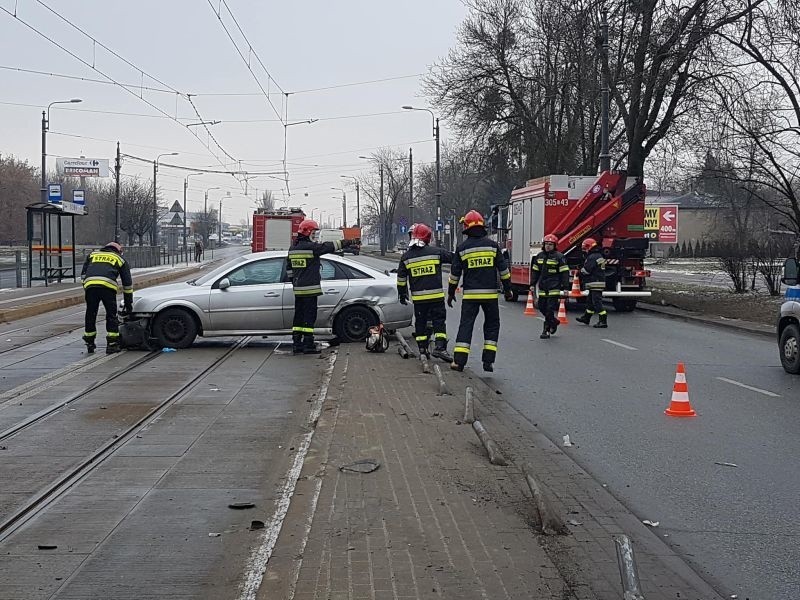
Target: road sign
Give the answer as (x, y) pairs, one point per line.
(176, 220)
(661, 223)
(447, 228)
(439, 225)
(402, 221)
(54, 193)
(78, 197)
(72, 208)
(83, 167)
(176, 207)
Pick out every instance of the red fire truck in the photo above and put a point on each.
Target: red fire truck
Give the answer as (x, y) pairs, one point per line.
(275, 229)
(608, 208)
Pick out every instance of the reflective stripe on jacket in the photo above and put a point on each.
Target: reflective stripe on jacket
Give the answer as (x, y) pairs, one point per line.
(303, 265)
(103, 267)
(594, 271)
(420, 273)
(549, 270)
(479, 260)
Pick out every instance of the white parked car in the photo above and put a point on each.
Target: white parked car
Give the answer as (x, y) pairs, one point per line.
(251, 295)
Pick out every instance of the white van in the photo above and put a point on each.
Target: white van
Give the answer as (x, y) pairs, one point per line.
(331, 235)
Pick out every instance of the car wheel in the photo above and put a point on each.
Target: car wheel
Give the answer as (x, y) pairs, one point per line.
(353, 323)
(174, 328)
(624, 304)
(790, 349)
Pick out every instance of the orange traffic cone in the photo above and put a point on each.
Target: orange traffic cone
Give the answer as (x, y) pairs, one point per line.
(679, 405)
(562, 312)
(529, 309)
(575, 292)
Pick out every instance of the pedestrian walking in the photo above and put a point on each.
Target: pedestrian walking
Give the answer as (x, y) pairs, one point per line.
(304, 269)
(550, 273)
(420, 274)
(479, 259)
(198, 250)
(99, 276)
(593, 273)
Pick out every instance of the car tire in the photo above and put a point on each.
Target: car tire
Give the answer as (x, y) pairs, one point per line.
(174, 328)
(789, 346)
(353, 323)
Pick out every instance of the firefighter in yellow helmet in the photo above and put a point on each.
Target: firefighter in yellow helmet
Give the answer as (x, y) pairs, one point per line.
(478, 259)
(99, 276)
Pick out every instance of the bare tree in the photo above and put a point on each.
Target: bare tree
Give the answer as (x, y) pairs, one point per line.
(18, 188)
(394, 166)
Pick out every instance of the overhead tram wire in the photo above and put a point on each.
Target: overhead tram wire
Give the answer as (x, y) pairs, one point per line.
(217, 172)
(111, 79)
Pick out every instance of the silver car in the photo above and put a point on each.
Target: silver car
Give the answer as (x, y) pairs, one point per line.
(251, 295)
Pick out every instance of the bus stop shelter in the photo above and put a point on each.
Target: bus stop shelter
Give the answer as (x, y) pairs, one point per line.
(51, 243)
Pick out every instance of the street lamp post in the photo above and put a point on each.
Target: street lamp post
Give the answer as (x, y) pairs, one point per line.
(205, 216)
(344, 205)
(381, 216)
(410, 187)
(358, 200)
(438, 172)
(155, 196)
(185, 219)
(45, 129)
(219, 220)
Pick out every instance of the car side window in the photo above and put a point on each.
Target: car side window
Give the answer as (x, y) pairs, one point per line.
(328, 271)
(260, 272)
(352, 273)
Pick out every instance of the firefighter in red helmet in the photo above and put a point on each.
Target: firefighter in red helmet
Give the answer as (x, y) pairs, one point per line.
(99, 276)
(593, 274)
(549, 271)
(420, 274)
(304, 269)
(479, 259)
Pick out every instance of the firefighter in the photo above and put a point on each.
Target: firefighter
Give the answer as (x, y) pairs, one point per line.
(593, 274)
(304, 269)
(550, 272)
(99, 276)
(479, 259)
(420, 272)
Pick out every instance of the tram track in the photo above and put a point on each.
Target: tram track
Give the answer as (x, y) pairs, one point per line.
(66, 480)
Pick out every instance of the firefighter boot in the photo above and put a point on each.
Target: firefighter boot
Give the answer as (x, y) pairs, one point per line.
(488, 367)
(90, 345)
(584, 318)
(423, 350)
(112, 344)
(297, 343)
(309, 347)
(603, 324)
(545, 331)
(440, 351)
(554, 326)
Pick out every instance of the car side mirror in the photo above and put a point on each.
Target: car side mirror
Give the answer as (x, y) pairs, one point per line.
(790, 272)
(224, 283)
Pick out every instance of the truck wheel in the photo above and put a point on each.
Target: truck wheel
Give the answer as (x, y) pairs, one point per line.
(353, 323)
(790, 349)
(624, 304)
(174, 328)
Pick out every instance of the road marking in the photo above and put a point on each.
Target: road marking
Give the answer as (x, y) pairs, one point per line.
(749, 387)
(620, 345)
(259, 557)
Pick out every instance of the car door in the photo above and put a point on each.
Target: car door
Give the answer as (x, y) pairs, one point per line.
(334, 288)
(253, 301)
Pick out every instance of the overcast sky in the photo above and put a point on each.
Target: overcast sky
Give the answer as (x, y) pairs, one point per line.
(305, 45)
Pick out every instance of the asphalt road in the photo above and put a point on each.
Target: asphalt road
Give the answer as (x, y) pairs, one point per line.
(607, 390)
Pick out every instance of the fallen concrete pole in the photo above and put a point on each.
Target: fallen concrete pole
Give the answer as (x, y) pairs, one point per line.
(548, 518)
(495, 456)
(402, 352)
(426, 366)
(631, 589)
(404, 343)
(443, 389)
(469, 407)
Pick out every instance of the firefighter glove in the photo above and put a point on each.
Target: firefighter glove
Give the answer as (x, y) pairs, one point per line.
(508, 295)
(450, 299)
(403, 300)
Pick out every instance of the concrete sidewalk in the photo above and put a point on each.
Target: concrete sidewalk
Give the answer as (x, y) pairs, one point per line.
(437, 520)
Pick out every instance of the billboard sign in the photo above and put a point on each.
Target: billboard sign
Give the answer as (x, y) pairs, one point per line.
(661, 223)
(83, 167)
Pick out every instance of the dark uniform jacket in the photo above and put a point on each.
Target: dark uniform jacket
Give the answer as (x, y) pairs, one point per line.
(304, 266)
(479, 259)
(594, 270)
(549, 270)
(102, 267)
(420, 271)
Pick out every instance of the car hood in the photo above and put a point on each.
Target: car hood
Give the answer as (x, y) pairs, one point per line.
(170, 291)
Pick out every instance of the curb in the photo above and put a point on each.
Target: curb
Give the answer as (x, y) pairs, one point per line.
(735, 324)
(31, 310)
